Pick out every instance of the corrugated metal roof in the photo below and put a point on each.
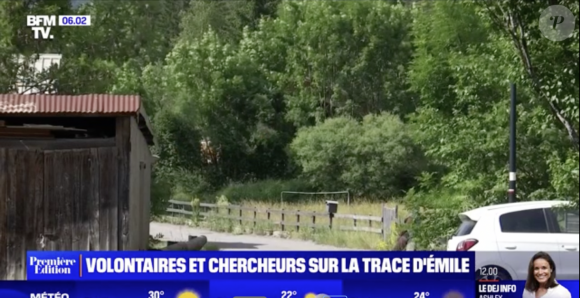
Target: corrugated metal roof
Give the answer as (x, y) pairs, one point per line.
(98, 104)
(69, 104)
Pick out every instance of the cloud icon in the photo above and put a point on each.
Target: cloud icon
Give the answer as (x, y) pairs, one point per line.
(453, 294)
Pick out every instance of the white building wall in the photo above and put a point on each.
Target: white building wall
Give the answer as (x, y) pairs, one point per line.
(44, 62)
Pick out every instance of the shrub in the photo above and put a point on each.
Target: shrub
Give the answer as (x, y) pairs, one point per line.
(375, 157)
(435, 216)
(160, 194)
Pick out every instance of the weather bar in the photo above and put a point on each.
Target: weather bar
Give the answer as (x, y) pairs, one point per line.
(334, 296)
(249, 297)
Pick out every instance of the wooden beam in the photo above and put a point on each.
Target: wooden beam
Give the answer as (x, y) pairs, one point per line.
(123, 141)
(56, 144)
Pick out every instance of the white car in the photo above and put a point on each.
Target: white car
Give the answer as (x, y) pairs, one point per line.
(506, 236)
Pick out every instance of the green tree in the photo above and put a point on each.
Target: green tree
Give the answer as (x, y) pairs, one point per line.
(18, 48)
(108, 56)
(336, 58)
(229, 101)
(462, 122)
(555, 84)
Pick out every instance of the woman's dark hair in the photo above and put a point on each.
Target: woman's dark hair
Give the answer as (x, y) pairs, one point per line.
(532, 284)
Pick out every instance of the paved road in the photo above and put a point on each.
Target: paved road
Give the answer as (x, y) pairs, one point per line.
(226, 241)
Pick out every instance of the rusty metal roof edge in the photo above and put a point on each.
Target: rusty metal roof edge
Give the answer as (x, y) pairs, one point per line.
(68, 104)
(139, 112)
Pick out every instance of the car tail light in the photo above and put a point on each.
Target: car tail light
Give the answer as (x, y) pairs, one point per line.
(466, 245)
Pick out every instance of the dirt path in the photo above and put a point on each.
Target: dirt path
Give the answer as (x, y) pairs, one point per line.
(226, 241)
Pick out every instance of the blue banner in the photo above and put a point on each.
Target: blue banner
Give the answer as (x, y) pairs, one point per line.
(264, 288)
(205, 265)
(515, 289)
(100, 289)
(236, 288)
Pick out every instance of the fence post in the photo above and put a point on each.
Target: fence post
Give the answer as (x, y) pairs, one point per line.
(330, 217)
(241, 219)
(255, 216)
(297, 220)
(195, 210)
(386, 222)
(282, 216)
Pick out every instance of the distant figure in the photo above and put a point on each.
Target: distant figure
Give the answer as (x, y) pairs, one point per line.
(541, 281)
(404, 241)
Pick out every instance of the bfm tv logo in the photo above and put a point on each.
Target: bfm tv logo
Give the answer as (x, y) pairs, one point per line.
(41, 25)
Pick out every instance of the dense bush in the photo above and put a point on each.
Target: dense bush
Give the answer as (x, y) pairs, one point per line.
(161, 191)
(373, 157)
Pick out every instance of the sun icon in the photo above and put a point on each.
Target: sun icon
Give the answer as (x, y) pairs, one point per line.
(187, 294)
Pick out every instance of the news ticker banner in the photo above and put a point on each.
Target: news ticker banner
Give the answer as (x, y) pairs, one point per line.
(218, 265)
(515, 289)
(267, 289)
(41, 24)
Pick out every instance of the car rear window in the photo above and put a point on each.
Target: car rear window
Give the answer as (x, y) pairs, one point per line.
(465, 228)
(524, 221)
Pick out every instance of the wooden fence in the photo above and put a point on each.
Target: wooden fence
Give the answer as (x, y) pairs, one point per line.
(288, 220)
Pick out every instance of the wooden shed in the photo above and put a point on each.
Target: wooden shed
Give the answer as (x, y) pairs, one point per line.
(75, 174)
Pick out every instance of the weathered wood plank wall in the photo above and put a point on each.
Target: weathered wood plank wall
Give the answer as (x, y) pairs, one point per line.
(56, 200)
(139, 189)
(3, 213)
(123, 140)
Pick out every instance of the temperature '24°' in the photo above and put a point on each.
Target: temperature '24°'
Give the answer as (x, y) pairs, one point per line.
(288, 294)
(155, 294)
(420, 294)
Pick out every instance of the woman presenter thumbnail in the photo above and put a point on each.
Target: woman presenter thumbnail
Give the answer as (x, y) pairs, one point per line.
(541, 280)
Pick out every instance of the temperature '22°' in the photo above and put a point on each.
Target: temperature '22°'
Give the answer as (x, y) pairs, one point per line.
(288, 294)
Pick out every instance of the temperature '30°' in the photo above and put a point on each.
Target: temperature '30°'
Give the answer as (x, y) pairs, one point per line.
(155, 294)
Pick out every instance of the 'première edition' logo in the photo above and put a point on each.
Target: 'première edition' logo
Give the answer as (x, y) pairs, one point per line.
(52, 266)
